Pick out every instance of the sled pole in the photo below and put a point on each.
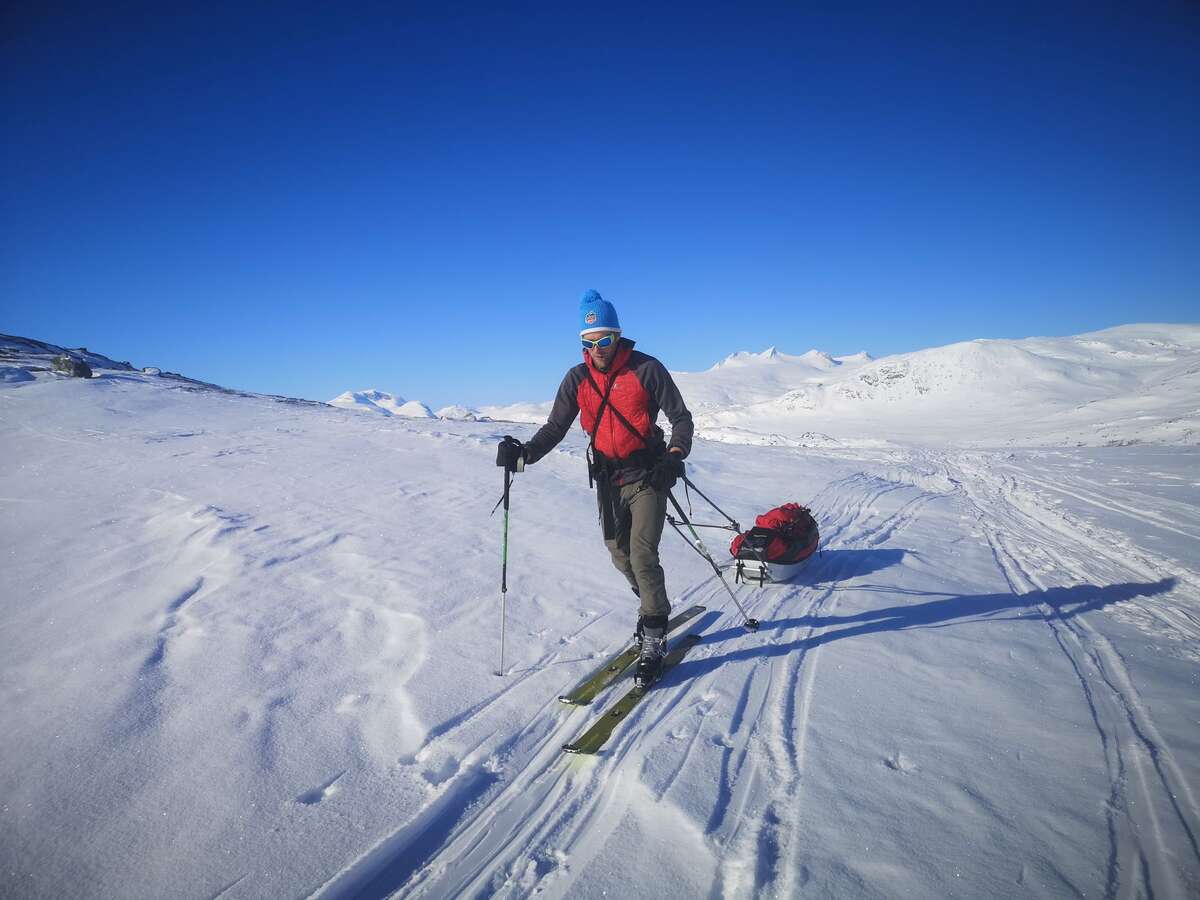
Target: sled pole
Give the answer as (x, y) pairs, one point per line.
(749, 624)
(732, 521)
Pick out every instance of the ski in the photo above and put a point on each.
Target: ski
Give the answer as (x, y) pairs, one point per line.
(585, 692)
(593, 739)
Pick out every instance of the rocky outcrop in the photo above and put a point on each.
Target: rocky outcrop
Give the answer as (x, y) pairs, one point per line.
(69, 365)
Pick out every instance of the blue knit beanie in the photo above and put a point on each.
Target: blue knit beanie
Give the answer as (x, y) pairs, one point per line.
(597, 314)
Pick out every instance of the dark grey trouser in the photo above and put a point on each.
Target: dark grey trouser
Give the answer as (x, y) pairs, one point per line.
(641, 514)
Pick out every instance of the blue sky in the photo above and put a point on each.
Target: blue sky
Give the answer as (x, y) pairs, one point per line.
(300, 200)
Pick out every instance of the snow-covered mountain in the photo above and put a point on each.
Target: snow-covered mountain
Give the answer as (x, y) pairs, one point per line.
(248, 649)
(745, 378)
(382, 403)
(533, 413)
(1131, 384)
(1124, 385)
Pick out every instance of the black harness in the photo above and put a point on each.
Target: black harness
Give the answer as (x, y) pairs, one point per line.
(602, 469)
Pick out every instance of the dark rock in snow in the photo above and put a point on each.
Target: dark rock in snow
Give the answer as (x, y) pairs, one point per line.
(68, 365)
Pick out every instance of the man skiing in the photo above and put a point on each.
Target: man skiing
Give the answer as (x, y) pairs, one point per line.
(620, 391)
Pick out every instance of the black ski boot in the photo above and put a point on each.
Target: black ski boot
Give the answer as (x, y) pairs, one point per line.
(651, 633)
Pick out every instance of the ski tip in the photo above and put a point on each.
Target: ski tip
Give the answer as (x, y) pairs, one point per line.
(751, 625)
(571, 748)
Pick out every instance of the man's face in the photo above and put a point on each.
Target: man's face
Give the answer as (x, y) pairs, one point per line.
(602, 356)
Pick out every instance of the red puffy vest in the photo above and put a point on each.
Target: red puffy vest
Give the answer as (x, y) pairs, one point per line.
(628, 396)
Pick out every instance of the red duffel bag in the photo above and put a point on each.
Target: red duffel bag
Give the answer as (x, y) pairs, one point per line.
(785, 536)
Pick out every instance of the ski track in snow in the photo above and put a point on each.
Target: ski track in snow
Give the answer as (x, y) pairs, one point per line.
(1152, 812)
(278, 603)
(523, 819)
(554, 810)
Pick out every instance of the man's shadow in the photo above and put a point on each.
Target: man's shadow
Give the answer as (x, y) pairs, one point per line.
(1052, 603)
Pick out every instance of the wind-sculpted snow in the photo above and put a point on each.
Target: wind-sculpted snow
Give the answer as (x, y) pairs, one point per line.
(248, 651)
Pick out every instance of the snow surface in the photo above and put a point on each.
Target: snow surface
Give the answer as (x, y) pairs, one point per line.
(249, 644)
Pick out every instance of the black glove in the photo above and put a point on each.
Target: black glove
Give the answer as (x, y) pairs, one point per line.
(511, 454)
(666, 472)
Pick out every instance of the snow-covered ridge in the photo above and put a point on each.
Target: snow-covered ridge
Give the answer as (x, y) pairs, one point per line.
(382, 403)
(25, 359)
(1125, 385)
(1130, 384)
(817, 359)
(36, 355)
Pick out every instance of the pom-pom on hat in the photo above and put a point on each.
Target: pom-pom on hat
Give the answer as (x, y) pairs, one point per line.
(597, 314)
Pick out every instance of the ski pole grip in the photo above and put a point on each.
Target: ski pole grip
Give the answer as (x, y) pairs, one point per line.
(511, 454)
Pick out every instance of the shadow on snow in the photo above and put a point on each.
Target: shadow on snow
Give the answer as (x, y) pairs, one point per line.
(1052, 603)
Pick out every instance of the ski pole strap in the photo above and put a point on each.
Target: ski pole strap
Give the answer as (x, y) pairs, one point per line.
(503, 497)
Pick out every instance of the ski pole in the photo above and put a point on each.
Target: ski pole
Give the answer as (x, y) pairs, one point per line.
(749, 624)
(510, 456)
(504, 569)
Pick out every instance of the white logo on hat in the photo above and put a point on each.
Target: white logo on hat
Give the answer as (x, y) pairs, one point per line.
(590, 318)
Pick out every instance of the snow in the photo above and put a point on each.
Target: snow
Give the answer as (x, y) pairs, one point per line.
(461, 413)
(1131, 384)
(532, 413)
(383, 403)
(248, 643)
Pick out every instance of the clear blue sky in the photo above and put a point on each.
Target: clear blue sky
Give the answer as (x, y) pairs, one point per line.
(301, 200)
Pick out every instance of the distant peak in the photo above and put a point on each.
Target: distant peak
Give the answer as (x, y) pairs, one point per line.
(748, 357)
(819, 358)
(375, 400)
(862, 356)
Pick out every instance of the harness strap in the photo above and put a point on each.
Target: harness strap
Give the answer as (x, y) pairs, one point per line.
(603, 395)
(616, 412)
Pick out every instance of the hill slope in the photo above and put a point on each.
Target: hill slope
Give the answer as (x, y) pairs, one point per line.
(1132, 384)
(249, 651)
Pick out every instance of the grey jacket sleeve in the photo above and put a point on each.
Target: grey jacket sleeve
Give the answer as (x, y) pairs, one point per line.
(661, 386)
(562, 414)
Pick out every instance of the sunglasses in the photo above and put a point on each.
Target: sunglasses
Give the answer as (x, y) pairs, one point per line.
(599, 344)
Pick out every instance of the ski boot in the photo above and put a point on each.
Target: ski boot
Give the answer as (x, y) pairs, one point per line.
(651, 634)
